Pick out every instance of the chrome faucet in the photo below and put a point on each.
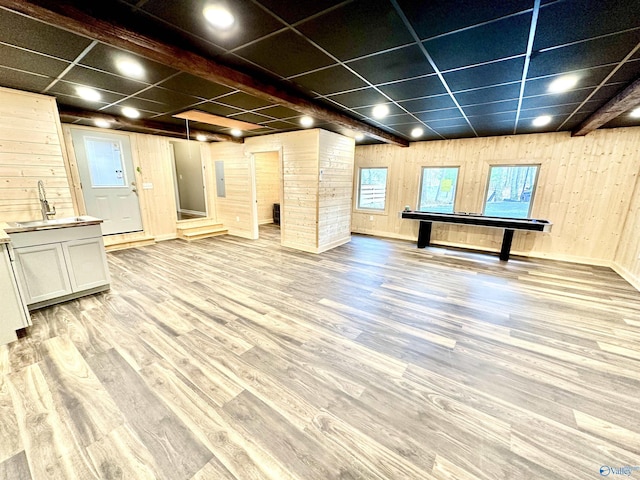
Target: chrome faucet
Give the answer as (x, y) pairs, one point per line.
(47, 210)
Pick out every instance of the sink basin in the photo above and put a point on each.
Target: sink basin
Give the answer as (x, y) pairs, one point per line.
(43, 223)
(31, 225)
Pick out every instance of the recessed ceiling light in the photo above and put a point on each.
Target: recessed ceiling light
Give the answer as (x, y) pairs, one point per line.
(218, 16)
(563, 84)
(306, 122)
(101, 123)
(130, 112)
(417, 132)
(88, 94)
(541, 121)
(635, 113)
(201, 138)
(380, 111)
(130, 68)
(359, 137)
(236, 132)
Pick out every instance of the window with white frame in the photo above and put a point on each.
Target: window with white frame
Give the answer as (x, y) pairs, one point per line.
(372, 188)
(438, 189)
(510, 190)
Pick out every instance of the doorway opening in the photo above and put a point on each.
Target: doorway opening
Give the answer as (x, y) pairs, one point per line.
(188, 178)
(268, 182)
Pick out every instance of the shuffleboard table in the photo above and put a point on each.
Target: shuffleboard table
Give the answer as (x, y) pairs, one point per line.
(508, 224)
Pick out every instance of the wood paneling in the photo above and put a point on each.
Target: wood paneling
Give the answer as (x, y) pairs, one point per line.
(585, 187)
(31, 149)
(268, 184)
(627, 260)
(336, 153)
(158, 204)
(299, 206)
(234, 210)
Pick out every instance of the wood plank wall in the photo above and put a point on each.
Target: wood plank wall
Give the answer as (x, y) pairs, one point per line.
(268, 184)
(234, 210)
(585, 188)
(158, 204)
(336, 158)
(627, 260)
(31, 149)
(299, 206)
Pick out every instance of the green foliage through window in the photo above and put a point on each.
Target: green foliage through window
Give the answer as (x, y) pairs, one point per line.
(510, 191)
(438, 189)
(372, 188)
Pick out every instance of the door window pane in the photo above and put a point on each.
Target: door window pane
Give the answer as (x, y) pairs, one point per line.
(510, 191)
(372, 188)
(438, 189)
(105, 162)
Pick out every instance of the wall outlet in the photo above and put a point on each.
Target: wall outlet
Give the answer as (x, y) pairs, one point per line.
(237, 219)
(371, 217)
(147, 186)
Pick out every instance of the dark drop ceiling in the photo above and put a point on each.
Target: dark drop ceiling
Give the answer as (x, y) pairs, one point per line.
(455, 69)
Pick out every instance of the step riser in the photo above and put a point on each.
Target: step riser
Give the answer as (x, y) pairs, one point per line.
(203, 235)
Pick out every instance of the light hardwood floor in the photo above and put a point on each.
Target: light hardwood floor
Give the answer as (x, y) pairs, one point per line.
(235, 359)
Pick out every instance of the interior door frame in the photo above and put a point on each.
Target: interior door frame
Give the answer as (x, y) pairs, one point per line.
(254, 190)
(73, 174)
(203, 171)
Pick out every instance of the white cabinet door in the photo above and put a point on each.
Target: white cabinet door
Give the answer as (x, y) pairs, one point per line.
(43, 273)
(14, 314)
(87, 263)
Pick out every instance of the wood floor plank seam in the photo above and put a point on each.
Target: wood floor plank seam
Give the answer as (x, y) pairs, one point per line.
(235, 359)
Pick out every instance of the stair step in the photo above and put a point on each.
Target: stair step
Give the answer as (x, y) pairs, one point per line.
(203, 233)
(199, 228)
(113, 245)
(194, 222)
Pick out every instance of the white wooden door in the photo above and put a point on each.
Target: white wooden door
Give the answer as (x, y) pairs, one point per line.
(108, 180)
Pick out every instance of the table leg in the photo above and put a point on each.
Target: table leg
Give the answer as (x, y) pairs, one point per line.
(506, 244)
(424, 234)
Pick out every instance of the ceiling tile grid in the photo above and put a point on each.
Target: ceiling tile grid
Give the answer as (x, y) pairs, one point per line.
(453, 68)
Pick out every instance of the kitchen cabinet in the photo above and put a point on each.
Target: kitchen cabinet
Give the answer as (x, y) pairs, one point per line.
(14, 312)
(55, 265)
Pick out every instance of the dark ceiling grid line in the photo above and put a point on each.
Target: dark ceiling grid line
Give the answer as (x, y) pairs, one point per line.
(129, 97)
(310, 17)
(71, 65)
(481, 64)
(256, 40)
(527, 59)
(344, 65)
(479, 24)
(420, 45)
(135, 8)
(602, 83)
(24, 71)
(139, 4)
(378, 52)
(584, 40)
